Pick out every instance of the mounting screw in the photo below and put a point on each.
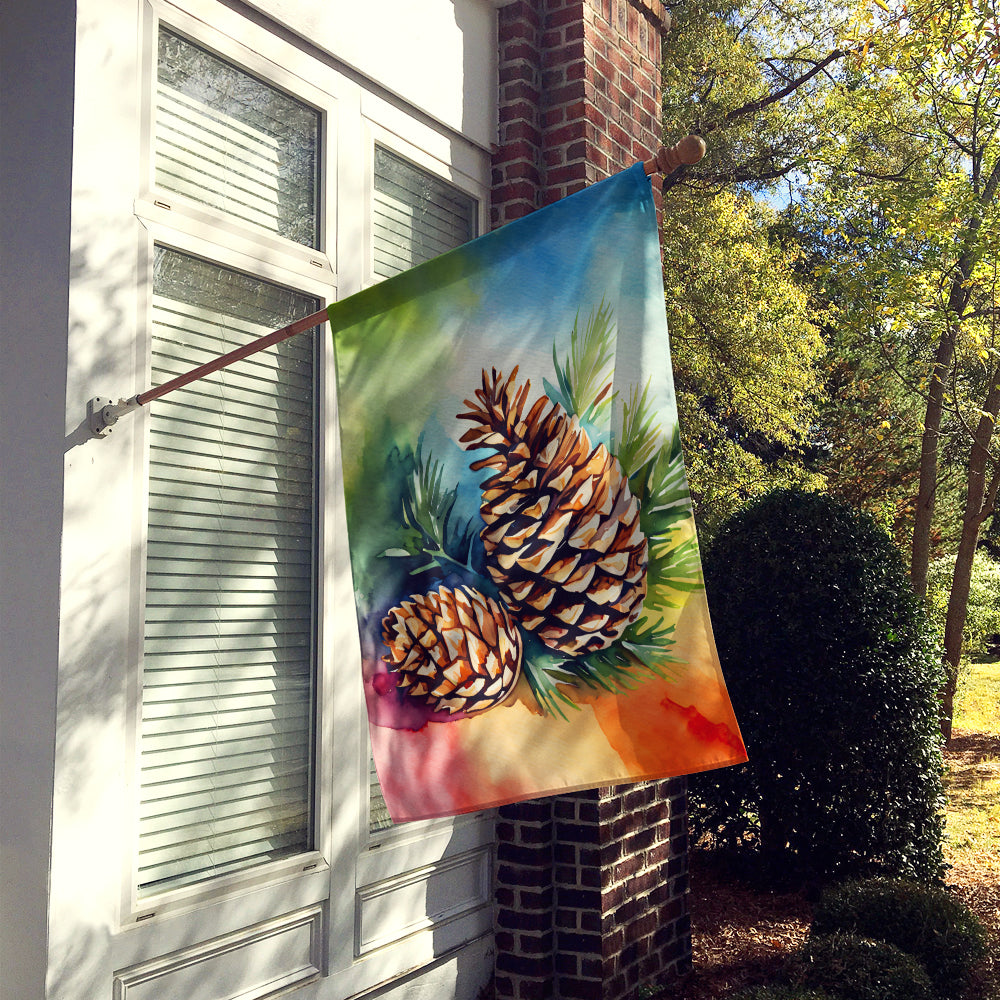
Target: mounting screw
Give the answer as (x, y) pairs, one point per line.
(101, 415)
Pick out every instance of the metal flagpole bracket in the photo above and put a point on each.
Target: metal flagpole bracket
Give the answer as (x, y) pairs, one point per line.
(103, 413)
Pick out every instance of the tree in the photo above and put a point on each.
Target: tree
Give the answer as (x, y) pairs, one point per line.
(747, 353)
(881, 119)
(866, 437)
(912, 185)
(869, 426)
(746, 356)
(982, 620)
(746, 76)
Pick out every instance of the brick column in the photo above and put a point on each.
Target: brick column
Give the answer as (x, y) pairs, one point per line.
(621, 882)
(591, 893)
(579, 96)
(517, 159)
(524, 896)
(591, 889)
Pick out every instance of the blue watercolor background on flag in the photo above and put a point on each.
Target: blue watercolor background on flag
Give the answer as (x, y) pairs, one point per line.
(410, 353)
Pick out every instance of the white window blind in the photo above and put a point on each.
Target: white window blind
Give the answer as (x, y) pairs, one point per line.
(416, 217)
(228, 140)
(228, 659)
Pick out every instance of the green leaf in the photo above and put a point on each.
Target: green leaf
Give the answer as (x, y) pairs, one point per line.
(640, 654)
(672, 570)
(541, 667)
(660, 486)
(586, 376)
(430, 527)
(640, 435)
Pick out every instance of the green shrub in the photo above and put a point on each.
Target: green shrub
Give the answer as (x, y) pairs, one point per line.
(856, 968)
(926, 922)
(834, 673)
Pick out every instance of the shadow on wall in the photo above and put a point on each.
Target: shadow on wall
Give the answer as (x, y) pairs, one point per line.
(90, 817)
(455, 899)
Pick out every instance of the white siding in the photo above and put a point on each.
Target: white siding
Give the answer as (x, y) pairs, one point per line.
(459, 36)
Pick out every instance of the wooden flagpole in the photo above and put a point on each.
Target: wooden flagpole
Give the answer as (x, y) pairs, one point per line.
(260, 344)
(102, 413)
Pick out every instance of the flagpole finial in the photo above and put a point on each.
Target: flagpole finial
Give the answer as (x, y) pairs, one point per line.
(668, 158)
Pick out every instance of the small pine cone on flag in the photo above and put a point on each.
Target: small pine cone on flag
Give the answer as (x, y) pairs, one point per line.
(457, 650)
(562, 537)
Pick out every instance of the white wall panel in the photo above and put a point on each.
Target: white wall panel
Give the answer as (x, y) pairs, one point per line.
(437, 55)
(397, 907)
(254, 964)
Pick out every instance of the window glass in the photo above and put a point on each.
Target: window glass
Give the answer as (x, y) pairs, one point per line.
(231, 141)
(228, 686)
(416, 217)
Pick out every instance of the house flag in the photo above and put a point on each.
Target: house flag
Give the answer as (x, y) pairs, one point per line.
(526, 573)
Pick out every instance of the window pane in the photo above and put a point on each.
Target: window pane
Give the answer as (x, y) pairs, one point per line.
(416, 217)
(226, 139)
(228, 665)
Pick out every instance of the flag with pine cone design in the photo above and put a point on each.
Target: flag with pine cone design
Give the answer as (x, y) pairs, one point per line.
(526, 571)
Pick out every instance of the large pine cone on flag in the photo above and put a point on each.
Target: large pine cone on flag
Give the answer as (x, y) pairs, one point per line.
(457, 650)
(562, 536)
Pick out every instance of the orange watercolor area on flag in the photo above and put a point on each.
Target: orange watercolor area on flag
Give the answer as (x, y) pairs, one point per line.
(676, 727)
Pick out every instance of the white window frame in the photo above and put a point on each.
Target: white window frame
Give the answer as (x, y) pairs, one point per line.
(180, 224)
(349, 871)
(397, 137)
(386, 859)
(181, 239)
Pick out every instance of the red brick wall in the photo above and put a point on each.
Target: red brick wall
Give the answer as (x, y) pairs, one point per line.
(591, 889)
(591, 893)
(579, 96)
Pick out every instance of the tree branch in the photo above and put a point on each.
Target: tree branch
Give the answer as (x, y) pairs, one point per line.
(753, 107)
(723, 179)
(872, 175)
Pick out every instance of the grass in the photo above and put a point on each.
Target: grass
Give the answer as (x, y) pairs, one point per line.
(978, 698)
(973, 783)
(973, 809)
